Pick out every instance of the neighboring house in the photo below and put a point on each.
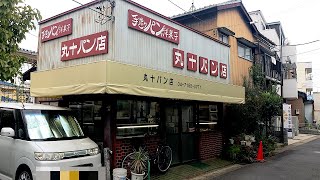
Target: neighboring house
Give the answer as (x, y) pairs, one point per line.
(30, 64)
(19, 89)
(8, 92)
(304, 72)
(316, 96)
(230, 23)
(298, 107)
(274, 32)
(305, 84)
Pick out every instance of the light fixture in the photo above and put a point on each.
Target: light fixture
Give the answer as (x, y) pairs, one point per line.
(142, 126)
(208, 123)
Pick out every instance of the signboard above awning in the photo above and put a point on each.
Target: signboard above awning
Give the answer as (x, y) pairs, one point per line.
(109, 77)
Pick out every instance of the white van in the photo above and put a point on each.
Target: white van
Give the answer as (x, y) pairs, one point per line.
(35, 135)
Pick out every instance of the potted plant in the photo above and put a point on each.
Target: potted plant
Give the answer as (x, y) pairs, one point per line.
(139, 164)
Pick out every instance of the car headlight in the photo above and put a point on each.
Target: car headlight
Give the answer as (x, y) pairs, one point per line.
(48, 156)
(93, 151)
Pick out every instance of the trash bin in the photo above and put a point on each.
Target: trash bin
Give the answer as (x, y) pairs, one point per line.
(119, 174)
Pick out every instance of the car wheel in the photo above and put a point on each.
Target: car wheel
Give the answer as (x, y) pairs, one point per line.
(24, 175)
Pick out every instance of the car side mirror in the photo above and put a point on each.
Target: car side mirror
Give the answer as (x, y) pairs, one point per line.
(7, 131)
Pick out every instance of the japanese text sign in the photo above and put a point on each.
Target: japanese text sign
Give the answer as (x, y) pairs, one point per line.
(223, 71)
(197, 63)
(178, 58)
(203, 65)
(56, 30)
(90, 45)
(192, 62)
(153, 27)
(214, 68)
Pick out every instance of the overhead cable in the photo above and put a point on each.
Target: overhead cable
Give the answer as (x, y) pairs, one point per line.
(303, 52)
(184, 10)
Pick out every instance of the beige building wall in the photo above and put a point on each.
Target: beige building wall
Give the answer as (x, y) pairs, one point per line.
(316, 97)
(304, 79)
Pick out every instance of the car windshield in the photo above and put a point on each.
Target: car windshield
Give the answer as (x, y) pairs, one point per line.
(52, 125)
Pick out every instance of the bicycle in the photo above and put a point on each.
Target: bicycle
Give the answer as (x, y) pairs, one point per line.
(162, 158)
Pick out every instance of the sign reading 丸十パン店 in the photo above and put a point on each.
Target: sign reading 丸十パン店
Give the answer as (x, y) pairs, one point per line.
(201, 64)
(90, 45)
(56, 30)
(153, 27)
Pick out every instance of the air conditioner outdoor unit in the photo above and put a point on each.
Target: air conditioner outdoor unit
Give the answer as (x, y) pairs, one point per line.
(297, 111)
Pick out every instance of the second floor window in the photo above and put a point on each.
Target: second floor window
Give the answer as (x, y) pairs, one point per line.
(245, 52)
(309, 91)
(224, 38)
(308, 74)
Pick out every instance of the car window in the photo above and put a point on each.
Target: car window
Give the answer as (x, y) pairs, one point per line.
(7, 118)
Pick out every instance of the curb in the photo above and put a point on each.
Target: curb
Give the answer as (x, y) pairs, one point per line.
(219, 172)
(288, 147)
(234, 167)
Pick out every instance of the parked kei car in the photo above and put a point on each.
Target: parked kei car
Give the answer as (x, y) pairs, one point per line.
(35, 135)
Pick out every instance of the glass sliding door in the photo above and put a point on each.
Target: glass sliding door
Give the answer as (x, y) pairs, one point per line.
(172, 131)
(188, 136)
(180, 132)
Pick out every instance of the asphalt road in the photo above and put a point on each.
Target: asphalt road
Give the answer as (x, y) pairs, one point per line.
(299, 163)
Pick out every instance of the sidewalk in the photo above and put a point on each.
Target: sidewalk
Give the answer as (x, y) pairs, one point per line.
(191, 170)
(300, 138)
(216, 167)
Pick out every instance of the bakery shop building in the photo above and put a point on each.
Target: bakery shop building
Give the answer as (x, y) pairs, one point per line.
(133, 75)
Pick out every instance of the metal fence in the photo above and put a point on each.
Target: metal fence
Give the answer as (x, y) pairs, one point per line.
(309, 128)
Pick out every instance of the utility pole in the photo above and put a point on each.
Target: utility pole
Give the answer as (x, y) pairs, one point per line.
(283, 139)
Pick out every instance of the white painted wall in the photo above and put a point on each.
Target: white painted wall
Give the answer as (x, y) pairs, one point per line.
(290, 89)
(130, 46)
(316, 98)
(303, 84)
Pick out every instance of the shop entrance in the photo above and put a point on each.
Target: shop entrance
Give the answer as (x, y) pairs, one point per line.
(180, 131)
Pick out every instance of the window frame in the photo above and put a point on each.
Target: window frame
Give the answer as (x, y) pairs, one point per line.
(151, 128)
(245, 48)
(14, 119)
(223, 36)
(308, 74)
(205, 123)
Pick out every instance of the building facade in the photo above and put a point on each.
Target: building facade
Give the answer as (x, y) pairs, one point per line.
(230, 22)
(135, 77)
(304, 72)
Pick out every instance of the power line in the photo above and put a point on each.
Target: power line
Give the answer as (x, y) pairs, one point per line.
(88, 7)
(302, 43)
(303, 52)
(184, 10)
(32, 34)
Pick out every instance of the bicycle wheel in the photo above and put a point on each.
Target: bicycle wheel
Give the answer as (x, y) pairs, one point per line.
(127, 162)
(164, 158)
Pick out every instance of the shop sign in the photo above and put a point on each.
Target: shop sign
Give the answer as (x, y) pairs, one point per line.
(90, 45)
(203, 68)
(152, 27)
(56, 30)
(155, 78)
(287, 116)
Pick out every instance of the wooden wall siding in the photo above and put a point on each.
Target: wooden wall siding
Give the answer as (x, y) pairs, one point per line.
(239, 67)
(207, 26)
(233, 20)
